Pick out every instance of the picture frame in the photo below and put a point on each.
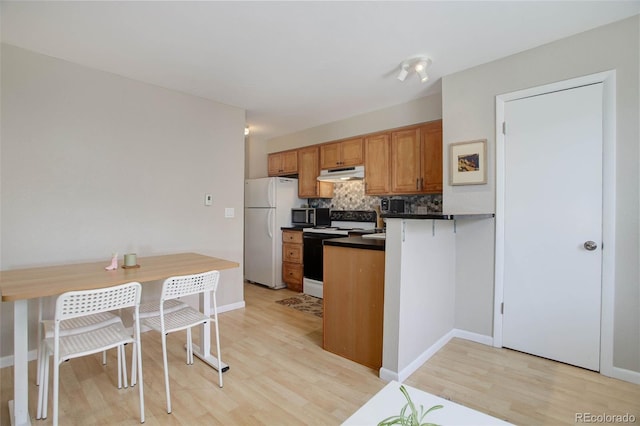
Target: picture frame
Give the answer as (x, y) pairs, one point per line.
(468, 162)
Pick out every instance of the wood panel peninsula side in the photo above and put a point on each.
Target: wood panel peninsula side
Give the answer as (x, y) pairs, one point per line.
(354, 302)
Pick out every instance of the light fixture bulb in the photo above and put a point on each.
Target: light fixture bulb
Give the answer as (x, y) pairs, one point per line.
(246, 131)
(404, 71)
(420, 66)
(423, 75)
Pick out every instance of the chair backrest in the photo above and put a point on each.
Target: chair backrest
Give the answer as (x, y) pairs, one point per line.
(74, 304)
(184, 285)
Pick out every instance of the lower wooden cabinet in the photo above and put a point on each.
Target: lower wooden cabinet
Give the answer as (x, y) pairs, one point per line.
(353, 293)
(292, 267)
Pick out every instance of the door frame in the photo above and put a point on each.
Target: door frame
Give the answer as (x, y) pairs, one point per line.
(608, 78)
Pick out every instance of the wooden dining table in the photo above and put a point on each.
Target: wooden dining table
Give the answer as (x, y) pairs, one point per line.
(20, 285)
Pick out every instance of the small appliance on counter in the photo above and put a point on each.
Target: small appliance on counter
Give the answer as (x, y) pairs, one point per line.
(396, 206)
(309, 217)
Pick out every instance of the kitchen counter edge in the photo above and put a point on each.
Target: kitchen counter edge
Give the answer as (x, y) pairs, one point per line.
(437, 216)
(356, 242)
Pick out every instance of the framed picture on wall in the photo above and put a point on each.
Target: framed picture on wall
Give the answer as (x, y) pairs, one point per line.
(468, 163)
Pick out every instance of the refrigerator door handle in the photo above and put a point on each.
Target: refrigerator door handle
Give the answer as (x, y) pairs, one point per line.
(269, 220)
(271, 193)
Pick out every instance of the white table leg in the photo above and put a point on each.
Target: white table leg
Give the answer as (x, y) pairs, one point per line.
(204, 352)
(19, 407)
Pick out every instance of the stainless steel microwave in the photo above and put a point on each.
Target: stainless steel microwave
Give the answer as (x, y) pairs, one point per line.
(310, 217)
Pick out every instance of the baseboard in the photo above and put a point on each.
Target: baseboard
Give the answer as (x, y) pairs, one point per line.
(7, 361)
(388, 375)
(626, 375)
(473, 337)
(230, 307)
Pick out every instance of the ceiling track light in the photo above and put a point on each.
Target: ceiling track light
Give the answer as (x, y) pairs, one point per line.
(419, 64)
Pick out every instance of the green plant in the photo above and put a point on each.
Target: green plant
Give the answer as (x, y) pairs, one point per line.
(413, 418)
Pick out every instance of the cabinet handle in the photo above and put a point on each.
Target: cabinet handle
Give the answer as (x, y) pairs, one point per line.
(421, 183)
(417, 183)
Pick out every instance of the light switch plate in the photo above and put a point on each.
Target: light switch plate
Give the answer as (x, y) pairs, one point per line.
(208, 199)
(229, 212)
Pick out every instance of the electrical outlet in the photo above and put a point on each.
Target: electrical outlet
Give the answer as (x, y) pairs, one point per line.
(208, 199)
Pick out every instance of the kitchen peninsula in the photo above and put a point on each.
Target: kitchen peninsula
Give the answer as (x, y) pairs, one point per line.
(354, 299)
(419, 288)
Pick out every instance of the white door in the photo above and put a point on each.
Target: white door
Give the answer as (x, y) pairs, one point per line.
(259, 246)
(553, 210)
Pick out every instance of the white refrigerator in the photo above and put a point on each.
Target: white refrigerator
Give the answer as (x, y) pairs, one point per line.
(267, 208)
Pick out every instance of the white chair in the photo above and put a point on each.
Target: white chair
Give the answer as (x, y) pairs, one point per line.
(185, 318)
(73, 326)
(79, 304)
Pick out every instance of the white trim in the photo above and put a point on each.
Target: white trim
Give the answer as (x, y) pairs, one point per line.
(608, 78)
(229, 307)
(401, 376)
(626, 375)
(473, 337)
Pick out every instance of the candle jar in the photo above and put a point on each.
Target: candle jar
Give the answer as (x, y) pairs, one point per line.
(130, 259)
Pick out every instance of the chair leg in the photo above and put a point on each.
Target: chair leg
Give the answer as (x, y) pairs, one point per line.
(45, 384)
(189, 347)
(137, 355)
(40, 380)
(56, 389)
(123, 355)
(218, 350)
(134, 364)
(166, 371)
(119, 367)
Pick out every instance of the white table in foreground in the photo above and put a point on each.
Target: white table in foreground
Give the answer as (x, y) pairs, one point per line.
(389, 401)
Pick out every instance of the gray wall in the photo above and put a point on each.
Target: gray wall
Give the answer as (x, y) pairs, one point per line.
(469, 113)
(93, 163)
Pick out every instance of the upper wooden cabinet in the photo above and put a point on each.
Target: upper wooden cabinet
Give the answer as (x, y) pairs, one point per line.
(342, 154)
(377, 176)
(283, 163)
(416, 159)
(308, 172)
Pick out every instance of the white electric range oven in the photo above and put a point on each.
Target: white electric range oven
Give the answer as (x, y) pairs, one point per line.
(342, 222)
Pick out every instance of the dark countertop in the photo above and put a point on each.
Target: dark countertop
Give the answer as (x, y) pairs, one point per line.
(292, 228)
(356, 242)
(438, 216)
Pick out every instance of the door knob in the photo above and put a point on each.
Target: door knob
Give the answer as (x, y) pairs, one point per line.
(590, 245)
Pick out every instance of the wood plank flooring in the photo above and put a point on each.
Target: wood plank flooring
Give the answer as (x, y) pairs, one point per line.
(280, 375)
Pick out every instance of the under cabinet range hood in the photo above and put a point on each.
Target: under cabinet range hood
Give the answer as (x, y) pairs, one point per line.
(342, 175)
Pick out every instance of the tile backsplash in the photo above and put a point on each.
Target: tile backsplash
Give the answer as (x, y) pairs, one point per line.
(350, 196)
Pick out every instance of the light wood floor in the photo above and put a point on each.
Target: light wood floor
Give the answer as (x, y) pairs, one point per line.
(280, 375)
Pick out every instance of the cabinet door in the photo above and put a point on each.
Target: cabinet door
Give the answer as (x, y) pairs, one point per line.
(330, 155)
(274, 164)
(308, 171)
(283, 163)
(405, 161)
(351, 152)
(377, 177)
(290, 162)
(432, 157)
(292, 253)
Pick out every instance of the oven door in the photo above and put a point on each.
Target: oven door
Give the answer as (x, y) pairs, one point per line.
(312, 253)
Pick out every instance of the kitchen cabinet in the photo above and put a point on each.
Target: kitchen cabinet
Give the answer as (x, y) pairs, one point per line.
(342, 154)
(377, 153)
(416, 159)
(283, 163)
(292, 267)
(354, 304)
(308, 171)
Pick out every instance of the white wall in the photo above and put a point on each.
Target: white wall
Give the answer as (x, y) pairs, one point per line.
(94, 163)
(469, 113)
(419, 294)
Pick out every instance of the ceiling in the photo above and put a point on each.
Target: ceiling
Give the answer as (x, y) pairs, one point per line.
(295, 65)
